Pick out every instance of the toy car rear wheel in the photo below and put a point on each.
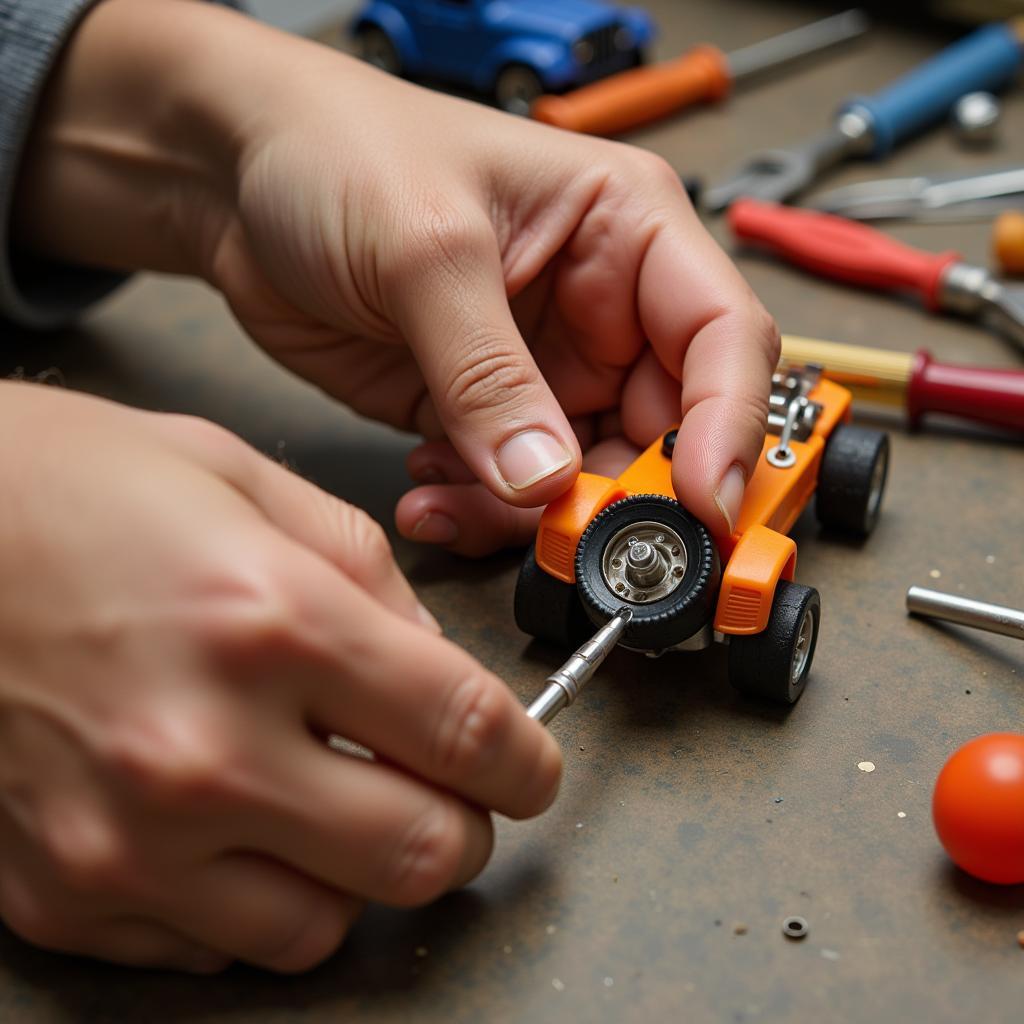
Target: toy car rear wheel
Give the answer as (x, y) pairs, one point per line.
(649, 554)
(516, 87)
(775, 663)
(852, 479)
(375, 47)
(547, 608)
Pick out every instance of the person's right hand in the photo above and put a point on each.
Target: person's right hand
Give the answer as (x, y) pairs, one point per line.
(183, 622)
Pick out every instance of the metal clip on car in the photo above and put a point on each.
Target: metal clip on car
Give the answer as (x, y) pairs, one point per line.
(789, 393)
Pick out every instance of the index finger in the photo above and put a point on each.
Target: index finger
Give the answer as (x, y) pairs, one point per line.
(706, 324)
(418, 700)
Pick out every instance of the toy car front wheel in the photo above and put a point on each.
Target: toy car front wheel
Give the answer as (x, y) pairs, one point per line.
(516, 87)
(548, 608)
(775, 663)
(649, 554)
(851, 483)
(375, 47)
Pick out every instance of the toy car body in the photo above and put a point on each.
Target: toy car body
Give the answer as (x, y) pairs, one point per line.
(512, 49)
(610, 543)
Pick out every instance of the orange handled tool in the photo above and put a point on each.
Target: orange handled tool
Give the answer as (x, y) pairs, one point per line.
(1008, 241)
(703, 74)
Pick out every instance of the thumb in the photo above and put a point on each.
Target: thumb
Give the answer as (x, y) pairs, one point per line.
(493, 402)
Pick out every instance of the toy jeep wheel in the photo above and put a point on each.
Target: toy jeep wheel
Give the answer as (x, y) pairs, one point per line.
(374, 46)
(852, 479)
(548, 608)
(649, 554)
(516, 87)
(775, 664)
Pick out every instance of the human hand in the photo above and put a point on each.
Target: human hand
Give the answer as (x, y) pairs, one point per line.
(435, 264)
(480, 278)
(186, 623)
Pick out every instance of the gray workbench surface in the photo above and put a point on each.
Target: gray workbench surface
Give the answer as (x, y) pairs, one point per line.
(691, 822)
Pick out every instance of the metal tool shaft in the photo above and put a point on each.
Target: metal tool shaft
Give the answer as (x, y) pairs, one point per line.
(993, 618)
(770, 54)
(563, 686)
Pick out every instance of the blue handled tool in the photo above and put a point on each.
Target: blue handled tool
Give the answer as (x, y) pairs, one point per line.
(871, 126)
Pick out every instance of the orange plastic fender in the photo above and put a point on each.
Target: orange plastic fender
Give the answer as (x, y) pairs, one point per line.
(565, 519)
(761, 558)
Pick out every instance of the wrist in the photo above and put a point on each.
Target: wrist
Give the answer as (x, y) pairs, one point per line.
(135, 151)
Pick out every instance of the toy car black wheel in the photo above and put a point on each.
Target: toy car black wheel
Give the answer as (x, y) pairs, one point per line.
(649, 554)
(516, 87)
(548, 608)
(851, 483)
(775, 663)
(375, 47)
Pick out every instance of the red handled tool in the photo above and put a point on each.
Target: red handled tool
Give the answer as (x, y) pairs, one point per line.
(848, 251)
(916, 382)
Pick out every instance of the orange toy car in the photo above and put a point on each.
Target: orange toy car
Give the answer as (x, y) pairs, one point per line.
(607, 543)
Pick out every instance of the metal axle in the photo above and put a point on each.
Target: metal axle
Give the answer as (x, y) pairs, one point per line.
(993, 618)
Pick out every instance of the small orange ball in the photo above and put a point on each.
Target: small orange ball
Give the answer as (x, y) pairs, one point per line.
(978, 807)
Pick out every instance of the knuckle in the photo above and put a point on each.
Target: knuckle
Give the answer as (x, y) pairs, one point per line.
(427, 857)
(437, 236)
(363, 536)
(176, 757)
(488, 377)
(91, 862)
(251, 613)
(650, 168)
(472, 725)
(205, 435)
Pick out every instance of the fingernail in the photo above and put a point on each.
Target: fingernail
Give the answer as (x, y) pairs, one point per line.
(730, 494)
(435, 528)
(428, 620)
(427, 475)
(531, 456)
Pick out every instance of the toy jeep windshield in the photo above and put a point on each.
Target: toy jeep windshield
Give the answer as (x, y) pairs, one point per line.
(607, 544)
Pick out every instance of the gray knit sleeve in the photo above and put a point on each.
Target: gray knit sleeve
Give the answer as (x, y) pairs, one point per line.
(35, 293)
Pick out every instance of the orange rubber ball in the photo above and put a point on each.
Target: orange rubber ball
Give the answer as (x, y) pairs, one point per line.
(978, 807)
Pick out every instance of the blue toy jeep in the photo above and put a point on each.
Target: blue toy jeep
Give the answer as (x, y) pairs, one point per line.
(513, 50)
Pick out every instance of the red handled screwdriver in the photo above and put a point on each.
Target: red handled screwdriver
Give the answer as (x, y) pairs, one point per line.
(848, 251)
(916, 382)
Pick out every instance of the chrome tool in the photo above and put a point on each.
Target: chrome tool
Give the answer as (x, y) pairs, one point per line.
(965, 611)
(952, 197)
(872, 126)
(975, 118)
(563, 686)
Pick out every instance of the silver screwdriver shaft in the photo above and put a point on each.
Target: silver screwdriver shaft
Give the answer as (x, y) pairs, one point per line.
(993, 618)
(562, 687)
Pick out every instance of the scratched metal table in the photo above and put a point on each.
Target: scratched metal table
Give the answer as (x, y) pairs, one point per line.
(691, 822)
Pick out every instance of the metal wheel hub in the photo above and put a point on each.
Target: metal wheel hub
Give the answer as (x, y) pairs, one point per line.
(803, 645)
(644, 562)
